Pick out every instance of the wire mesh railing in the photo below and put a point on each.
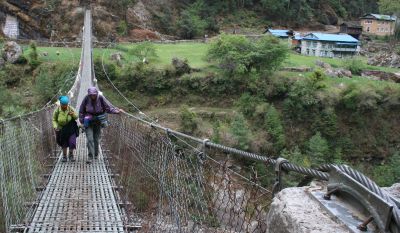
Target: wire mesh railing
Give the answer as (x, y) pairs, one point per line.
(27, 146)
(177, 187)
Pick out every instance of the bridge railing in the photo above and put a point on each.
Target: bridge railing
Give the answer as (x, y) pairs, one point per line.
(177, 187)
(28, 151)
(27, 148)
(196, 186)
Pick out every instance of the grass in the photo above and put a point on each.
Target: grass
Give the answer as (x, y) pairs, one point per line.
(194, 52)
(297, 60)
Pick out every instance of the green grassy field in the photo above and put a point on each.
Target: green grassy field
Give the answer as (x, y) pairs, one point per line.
(297, 60)
(194, 52)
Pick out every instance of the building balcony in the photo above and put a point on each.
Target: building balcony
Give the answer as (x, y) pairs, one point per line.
(344, 49)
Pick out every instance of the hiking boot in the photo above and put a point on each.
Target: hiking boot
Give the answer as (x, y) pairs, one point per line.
(64, 159)
(90, 158)
(71, 158)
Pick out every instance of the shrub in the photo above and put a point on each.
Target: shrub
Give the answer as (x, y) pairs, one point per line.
(110, 68)
(33, 56)
(188, 120)
(51, 79)
(216, 136)
(302, 96)
(389, 172)
(21, 60)
(122, 28)
(247, 104)
(361, 98)
(326, 123)
(356, 66)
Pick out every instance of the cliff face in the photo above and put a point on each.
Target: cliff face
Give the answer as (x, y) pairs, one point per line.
(62, 19)
(118, 19)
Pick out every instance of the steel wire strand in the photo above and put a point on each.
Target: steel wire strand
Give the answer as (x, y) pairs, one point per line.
(176, 184)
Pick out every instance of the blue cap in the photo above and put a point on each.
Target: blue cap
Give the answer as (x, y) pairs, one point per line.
(64, 100)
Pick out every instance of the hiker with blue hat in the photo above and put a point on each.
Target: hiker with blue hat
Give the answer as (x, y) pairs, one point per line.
(66, 127)
(92, 115)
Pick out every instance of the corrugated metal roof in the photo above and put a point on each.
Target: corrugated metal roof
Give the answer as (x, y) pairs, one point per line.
(330, 37)
(279, 32)
(382, 17)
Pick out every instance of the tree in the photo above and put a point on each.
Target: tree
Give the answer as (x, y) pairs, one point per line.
(240, 131)
(274, 126)
(238, 55)
(144, 51)
(389, 7)
(318, 149)
(190, 25)
(188, 120)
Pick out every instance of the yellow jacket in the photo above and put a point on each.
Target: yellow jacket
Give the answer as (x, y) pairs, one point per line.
(61, 118)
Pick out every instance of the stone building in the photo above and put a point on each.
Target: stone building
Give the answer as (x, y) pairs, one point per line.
(381, 25)
(329, 45)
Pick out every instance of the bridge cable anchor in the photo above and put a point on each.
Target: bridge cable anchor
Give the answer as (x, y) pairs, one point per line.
(278, 175)
(363, 226)
(328, 195)
(202, 154)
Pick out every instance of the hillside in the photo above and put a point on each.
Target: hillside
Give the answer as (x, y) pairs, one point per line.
(153, 19)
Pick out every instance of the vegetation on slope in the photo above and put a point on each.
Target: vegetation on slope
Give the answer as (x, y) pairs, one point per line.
(31, 83)
(310, 119)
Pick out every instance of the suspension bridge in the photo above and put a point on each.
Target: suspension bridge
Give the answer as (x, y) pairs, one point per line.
(149, 178)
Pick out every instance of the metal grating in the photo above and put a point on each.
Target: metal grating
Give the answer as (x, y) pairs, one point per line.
(78, 198)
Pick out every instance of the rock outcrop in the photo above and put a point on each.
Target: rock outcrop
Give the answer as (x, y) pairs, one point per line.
(385, 59)
(11, 52)
(294, 211)
(381, 75)
(332, 72)
(394, 191)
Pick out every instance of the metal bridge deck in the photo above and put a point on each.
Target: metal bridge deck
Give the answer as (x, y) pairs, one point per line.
(78, 198)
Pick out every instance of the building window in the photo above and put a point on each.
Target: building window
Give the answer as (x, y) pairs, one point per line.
(367, 29)
(308, 51)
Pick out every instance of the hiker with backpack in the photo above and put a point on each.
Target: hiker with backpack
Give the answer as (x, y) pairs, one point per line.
(66, 128)
(92, 115)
